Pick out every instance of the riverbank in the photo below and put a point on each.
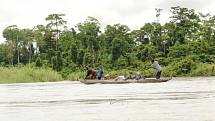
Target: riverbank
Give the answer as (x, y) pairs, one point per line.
(29, 74)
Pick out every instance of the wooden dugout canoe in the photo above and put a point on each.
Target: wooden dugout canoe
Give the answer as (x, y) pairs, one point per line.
(112, 81)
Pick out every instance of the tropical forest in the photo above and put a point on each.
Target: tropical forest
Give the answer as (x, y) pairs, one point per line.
(183, 46)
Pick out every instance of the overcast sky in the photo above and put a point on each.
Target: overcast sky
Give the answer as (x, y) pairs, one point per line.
(134, 13)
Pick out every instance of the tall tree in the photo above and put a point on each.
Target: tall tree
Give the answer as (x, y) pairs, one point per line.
(11, 34)
(186, 22)
(88, 35)
(53, 30)
(119, 41)
(56, 23)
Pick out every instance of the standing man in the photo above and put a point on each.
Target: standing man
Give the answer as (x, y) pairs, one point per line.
(157, 67)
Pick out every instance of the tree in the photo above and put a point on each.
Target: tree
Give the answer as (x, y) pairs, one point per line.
(26, 44)
(207, 28)
(11, 34)
(88, 35)
(118, 41)
(55, 22)
(39, 37)
(186, 22)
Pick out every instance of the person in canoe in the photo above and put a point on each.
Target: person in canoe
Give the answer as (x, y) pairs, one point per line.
(158, 68)
(100, 73)
(136, 76)
(91, 73)
(121, 77)
(106, 77)
(131, 76)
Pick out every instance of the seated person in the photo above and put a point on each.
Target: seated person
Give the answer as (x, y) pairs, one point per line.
(138, 76)
(100, 73)
(106, 77)
(131, 76)
(119, 78)
(91, 73)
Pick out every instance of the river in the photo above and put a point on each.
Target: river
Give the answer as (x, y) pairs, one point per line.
(181, 99)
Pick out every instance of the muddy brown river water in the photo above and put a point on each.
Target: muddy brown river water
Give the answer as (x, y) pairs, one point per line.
(181, 99)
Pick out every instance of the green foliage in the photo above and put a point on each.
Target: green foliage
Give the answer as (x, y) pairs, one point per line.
(146, 52)
(179, 50)
(70, 68)
(203, 58)
(38, 62)
(204, 70)
(181, 67)
(27, 74)
(75, 76)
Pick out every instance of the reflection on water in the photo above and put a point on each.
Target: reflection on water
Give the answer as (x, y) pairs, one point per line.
(181, 99)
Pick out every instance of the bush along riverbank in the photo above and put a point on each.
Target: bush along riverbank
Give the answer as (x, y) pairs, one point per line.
(28, 74)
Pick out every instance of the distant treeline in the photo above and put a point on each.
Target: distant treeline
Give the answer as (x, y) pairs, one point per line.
(184, 46)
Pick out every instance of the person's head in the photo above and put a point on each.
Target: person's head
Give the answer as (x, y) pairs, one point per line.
(153, 60)
(100, 66)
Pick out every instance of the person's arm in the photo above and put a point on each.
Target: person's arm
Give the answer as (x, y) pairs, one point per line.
(148, 67)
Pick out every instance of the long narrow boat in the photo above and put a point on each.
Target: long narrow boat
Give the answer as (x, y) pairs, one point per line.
(146, 80)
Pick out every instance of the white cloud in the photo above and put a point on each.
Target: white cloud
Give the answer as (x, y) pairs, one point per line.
(134, 13)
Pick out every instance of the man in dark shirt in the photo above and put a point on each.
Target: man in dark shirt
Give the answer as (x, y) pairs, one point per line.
(91, 73)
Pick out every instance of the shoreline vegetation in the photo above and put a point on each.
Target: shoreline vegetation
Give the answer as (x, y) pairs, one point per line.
(30, 74)
(54, 51)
